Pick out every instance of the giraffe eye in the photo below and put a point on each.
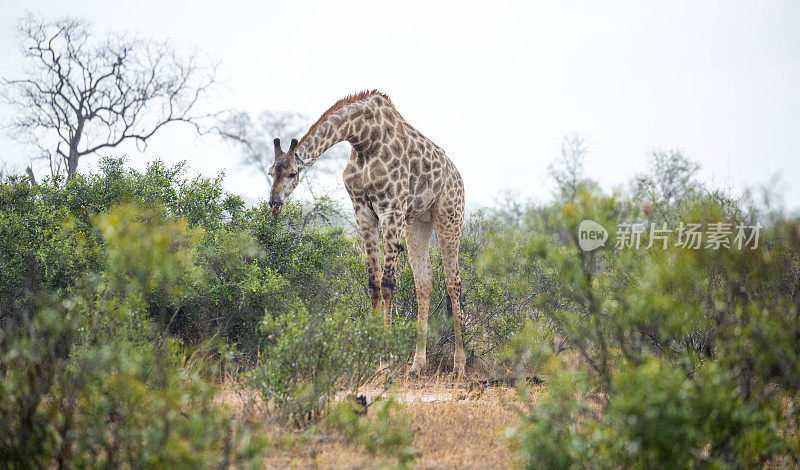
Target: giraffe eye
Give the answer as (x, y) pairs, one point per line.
(292, 174)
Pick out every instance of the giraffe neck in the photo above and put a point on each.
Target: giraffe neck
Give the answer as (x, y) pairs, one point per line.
(324, 135)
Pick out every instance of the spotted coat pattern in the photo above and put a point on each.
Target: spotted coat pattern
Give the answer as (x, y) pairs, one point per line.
(401, 185)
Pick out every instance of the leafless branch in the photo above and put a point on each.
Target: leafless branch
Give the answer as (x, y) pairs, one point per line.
(83, 93)
(253, 136)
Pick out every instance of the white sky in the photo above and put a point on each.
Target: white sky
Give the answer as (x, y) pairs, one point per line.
(496, 84)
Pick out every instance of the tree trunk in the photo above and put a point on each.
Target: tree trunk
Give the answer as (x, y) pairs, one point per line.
(72, 165)
(29, 171)
(72, 159)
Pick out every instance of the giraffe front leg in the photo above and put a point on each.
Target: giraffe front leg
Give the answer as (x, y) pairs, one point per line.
(392, 239)
(367, 222)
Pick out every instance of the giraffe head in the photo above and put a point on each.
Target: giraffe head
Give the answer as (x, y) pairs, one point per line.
(285, 174)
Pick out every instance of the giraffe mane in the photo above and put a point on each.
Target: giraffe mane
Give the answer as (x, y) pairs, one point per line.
(344, 101)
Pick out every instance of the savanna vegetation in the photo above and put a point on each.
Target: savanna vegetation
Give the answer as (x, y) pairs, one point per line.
(133, 302)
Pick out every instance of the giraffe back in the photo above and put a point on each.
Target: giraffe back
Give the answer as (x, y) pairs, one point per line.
(392, 164)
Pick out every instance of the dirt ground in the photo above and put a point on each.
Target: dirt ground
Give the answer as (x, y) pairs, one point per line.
(454, 426)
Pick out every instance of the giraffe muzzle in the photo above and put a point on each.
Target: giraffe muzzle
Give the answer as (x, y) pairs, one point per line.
(275, 207)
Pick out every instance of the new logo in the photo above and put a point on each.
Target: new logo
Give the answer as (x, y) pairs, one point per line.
(591, 235)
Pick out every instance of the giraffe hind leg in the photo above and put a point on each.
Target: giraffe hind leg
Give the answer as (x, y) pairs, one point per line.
(418, 238)
(448, 232)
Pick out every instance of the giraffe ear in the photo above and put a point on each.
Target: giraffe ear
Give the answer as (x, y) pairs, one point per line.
(277, 143)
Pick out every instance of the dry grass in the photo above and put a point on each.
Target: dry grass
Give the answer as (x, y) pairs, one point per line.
(453, 427)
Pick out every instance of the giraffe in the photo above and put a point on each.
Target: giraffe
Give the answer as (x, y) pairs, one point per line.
(399, 182)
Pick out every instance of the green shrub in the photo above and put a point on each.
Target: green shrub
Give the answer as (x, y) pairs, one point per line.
(655, 417)
(41, 248)
(72, 396)
(553, 432)
(686, 354)
(89, 380)
(245, 263)
(313, 355)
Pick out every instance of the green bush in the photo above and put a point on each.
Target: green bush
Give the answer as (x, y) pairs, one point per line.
(89, 380)
(312, 355)
(75, 399)
(41, 248)
(655, 417)
(245, 263)
(685, 354)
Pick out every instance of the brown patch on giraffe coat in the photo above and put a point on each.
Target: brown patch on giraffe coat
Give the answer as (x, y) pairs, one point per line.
(397, 149)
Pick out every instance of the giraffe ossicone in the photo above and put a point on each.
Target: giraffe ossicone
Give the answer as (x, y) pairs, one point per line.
(399, 181)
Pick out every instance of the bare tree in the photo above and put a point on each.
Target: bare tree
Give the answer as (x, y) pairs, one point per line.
(253, 136)
(82, 93)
